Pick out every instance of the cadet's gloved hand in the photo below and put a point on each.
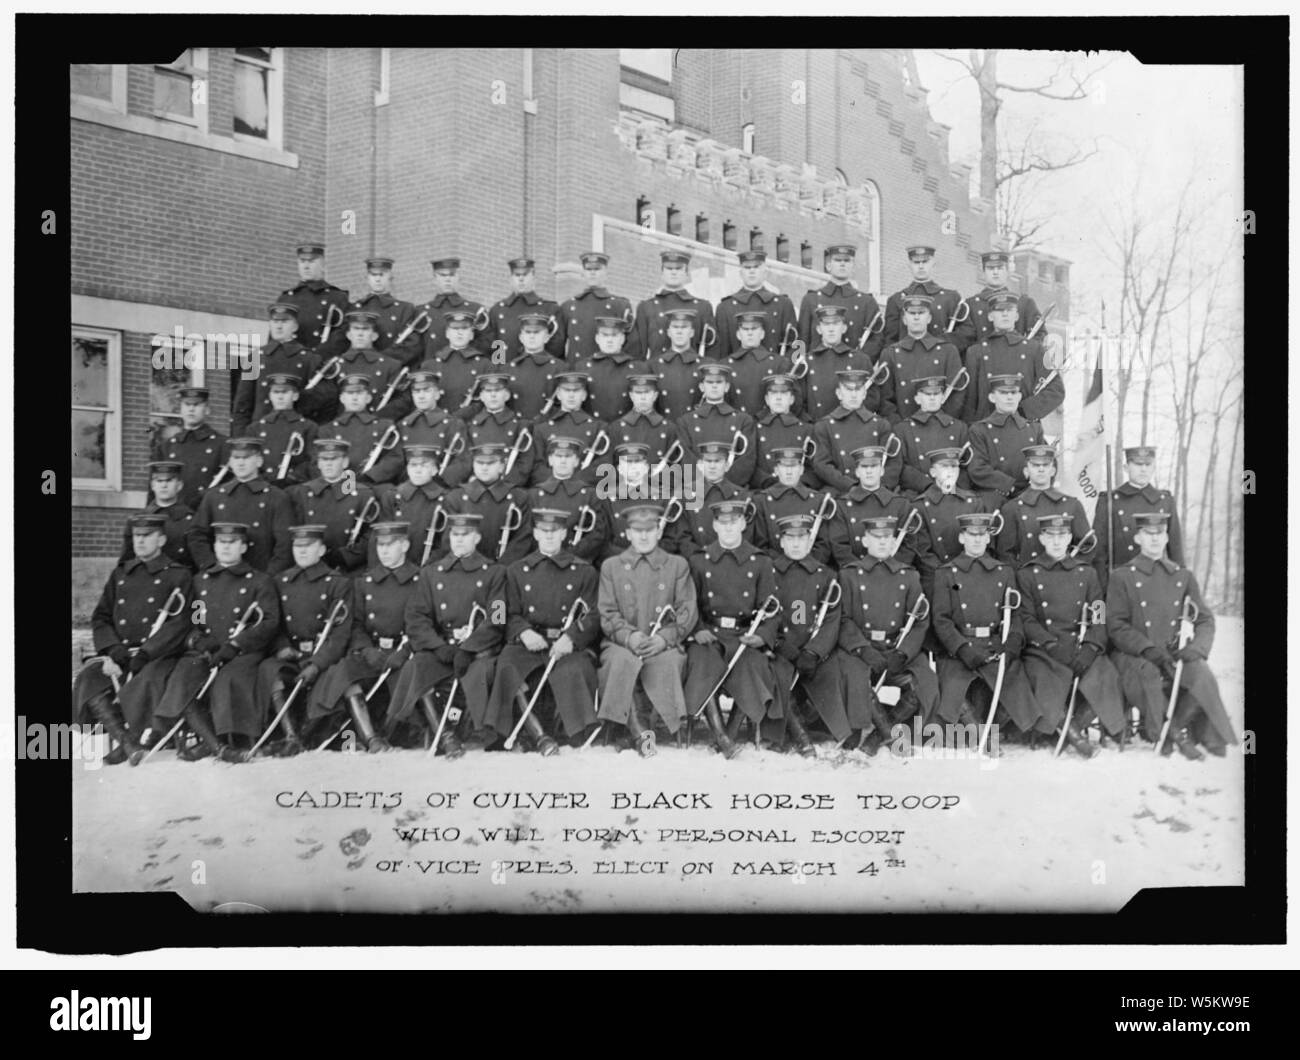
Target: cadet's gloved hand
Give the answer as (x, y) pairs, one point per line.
(225, 653)
(563, 646)
(138, 662)
(287, 655)
(705, 636)
(896, 661)
(206, 643)
(1063, 651)
(532, 640)
(752, 639)
(1161, 659)
(807, 663)
(374, 657)
(971, 658)
(445, 654)
(309, 673)
(120, 655)
(1014, 644)
(653, 646)
(1190, 653)
(872, 656)
(788, 652)
(397, 657)
(461, 663)
(1084, 658)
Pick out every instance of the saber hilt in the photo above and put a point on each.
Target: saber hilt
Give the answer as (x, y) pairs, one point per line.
(331, 369)
(386, 442)
(394, 386)
(368, 514)
(419, 325)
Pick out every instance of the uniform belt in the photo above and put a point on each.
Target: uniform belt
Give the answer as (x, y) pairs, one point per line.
(979, 631)
(725, 622)
(306, 646)
(386, 643)
(553, 633)
(875, 634)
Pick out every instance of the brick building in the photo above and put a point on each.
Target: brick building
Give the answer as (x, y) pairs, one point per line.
(193, 182)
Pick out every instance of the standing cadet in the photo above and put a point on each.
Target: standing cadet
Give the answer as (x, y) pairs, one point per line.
(644, 589)
(416, 502)
(1058, 594)
(777, 427)
(504, 317)
(1145, 602)
(457, 362)
(429, 424)
(677, 361)
(359, 358)
(542, 590)
(788, 496)
(333, 499)
(998, 443)
(714, 420)
(866, 500)
(828, 357)
(860, 309)
(919, 354)
(568, 417)
(979, 325)
(1115, 519)
(372, 442)
(321, 305)
(282, 353)
(138, 629)
(563, 490)
(455, 619)
(940, 505)
(651, 327)
(610, 368)
(447, 300)
(643, 422)
(693, 532)
(847, 428)
(283, 431)
(752, 361)
(1018, 540)
(503, 509)
(165, 485)
(496, 424)
(223, 593)
(1006, 351)
(246, 498)
(925, 430)
(378, 645)
(775, 308)
(313, 600)
(943, 302)
(579, 313)
(393, 317)
(199, 449)
(534, 368)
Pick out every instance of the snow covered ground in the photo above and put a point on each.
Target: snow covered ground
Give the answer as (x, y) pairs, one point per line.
(1030, 833)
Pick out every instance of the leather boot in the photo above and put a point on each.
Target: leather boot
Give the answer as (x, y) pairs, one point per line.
(1186, 745)
(102, 710)
(290, 745)
(365, 727)
(726, 745)
(1079, 741)
(208, 742)
(798, 734)
(544, 744)
(643, 739)
(448, 744)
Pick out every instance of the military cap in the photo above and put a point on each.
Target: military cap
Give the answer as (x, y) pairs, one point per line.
(424, 375)
(534, 320)
(752, 257)
(917, 301)
(246, 443)
(464, 520)
(331, 446)
(1151, 520)
(945, 455)
(441, 264)
(489, 451)
(977, 522)
(795, 525)
(550, 518)
(1009, 381)
(594, 257)
(787, 454)
(142, 521)
(674, 257)
(459, 316)
(620, 323)
(643, 516)
(854, 377)
(679, 316)
(994, 257)
(636, 379)
(361, 316)
(562, 443)
(846, 249)
(714, 448)
(230, 530)
(308, 532)
(1140, 454)
(708, 368)
(379, 263)
(353, 380)
(752, 318)
(633, 450)
(493, 379)
(880, 525)
(829, 312)
(521, 264)
(919, 250)
(869, 454)
(192, 393)
(1056, 521)
(732, 506)
(1039, 452)
(165, 468)
(311, 250)
(778, 381)
(931, 382)
(421, 451)
(1003, 300)
(282, 310)
(391, 528)
(292, 379)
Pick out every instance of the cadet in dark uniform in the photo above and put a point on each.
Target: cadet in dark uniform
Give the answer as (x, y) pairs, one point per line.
(925, 430)
(416, 502)
(428, 424)
(848, 427)
(919, 354)
(499, 504)
(941, 505)
(644, 423)
(694, 532)
(826, 360)
(496, 424)
(569, 418)
(650, 331)
(541, 589)
(249, 499)
(920, 260)
(1007, 351)
(310, 595)
(336, 501)
(448, 300)
(786, 497)
(146, 590)
(1144, 603)
(366, 434)
(860, 308)
(1115, 519)
(998, 443)
(865, 501)
(532, 371)
(563, 490)
(1018, 541)
(199, 449)
(321, 305)
(634, 488)
(222, 593)
(775, 309)
(360, 358)
(282, 430)
(677, 363)
(610, 368)
(579, 313)
(165, 484)
(283, 353)
(714, 420)
(777, 427)
(504, 317)
(979, 325)
(752, 361)
(458, 363)
(392, 316)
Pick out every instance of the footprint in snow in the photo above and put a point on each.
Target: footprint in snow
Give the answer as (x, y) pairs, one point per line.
(352, 843)
(181, 820)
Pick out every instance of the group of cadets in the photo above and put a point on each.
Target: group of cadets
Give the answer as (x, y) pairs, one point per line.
(529, 524)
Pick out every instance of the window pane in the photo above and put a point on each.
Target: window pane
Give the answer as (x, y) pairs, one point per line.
(89, 371)
(93, 79)
(251, 109)
(172, 93)
(88, 443)
(162, 390)
(657, 62)
(261, 54)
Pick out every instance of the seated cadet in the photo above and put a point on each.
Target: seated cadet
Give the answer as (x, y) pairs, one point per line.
(455, 619)
(504, 317)
(1058, 592)
(1115, 517)
(579, 313)
(865, 501)
(752, 360)
(226, 589)
(310, 597)
(373, 455)
(925, 430)
(806, 638)
(693, 531)
(320, 304)
(380, 646)
(248, 498)
(788, 496)
(1144, 604)
(1007, 351)
(847, 428)
(416, 502)
(283, 353)
(392, 316)
(880, 595)
(165, 484)
(979, 324)
(138, 631)
(733, 581)
(779, 428)
(633, 488)
(920, 259)
(568, 416)
(282, 430)
(533, 368)
(647, 604)
(609, 368)
(860, 308)
(428, 424)
(828, 357)
(504, 508)
(497, 424)
(589, 513)
(541, 591)
(677, 363)
(447, 300)
(940, 506)
(651, 325)
(714, 420)
(997, 463)
(644, 423)
(333, 499)
(1018, 540)
(775, 310)
(969, 599)
(918, 355)
(199, 449)
(360, 358)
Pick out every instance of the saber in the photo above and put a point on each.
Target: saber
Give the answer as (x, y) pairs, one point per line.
(578, 603)
(1007, 608)
(1191, 612)
(798, 359)
(384, 676)
(293, 447)
(518, 449)
(874, 327)
(101, 659)
(336, 617)
(582, 526)
(164, 613)
(595, 449)
(879, 374)
(513, 521)
(959, 382)
(669, 515)
(470, 395)
(1054, 361)
(809, 448)
(1086, 544)
(959, 314)
(216, 479)
(333, 318)
(481, 318)
(672, 455)
(331, 369)
(437, 524)
(1074, 686)
(243, 624)
(454, 448)
(367, 515)
(906, 530)
(386, 442)
(705, 340)
(395, 385)
(1041, 321)
(770, 609)
(450, 712)
(831, 599)
(739, 447)
(919, 612)
(664, 612)
(785, 339)
(823, 514)
(419, 325)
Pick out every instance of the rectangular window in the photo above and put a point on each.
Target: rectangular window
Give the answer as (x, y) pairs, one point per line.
(180, 89)
(103, 84)
(96, 408)
(258, 94)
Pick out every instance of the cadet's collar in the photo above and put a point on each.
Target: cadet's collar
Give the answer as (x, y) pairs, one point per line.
(540, 357)
(839, 348)
(577, 416)
(562, 559)
(292, 348)
(935, 494)
(1148, 491)
(363, 416)
(1148, 566)
(235, 570)
(318, 485)
(352, 355)
(201, 433)
(927, 340)
(531, 298)
(778, 490)
(475, 488)
(440, 300)
(783, 563)
(681, 294)
(384, 300)
(1066, 562)
(160, 562)
(471, 563)
(989, 292)
(595, 292)
(869, 563)
(925, 417)
(929, 287)
(501, 418)
(1012, 337)
(314, 573)
(633, 418)
(466, 353)
(431, 417)
(687, 356)
(285, 415)
(843, 290)
(255, 485)
(724, 487)
(401, 575)
(745, 295)
(721, 408)
(965, 562)
(861, 412)
(655, 559)
(786, 419)
(1031, 495)
(622, 357)
(569, 486)
(739, 554)
(1000, 419)
(860, 493)
(430, 489)
(759, 353)
(311, 285)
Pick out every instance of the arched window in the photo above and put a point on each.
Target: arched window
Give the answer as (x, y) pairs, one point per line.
(873, 236)
(747, 138)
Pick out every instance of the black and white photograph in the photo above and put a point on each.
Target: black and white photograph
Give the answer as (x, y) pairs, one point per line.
(567, 480)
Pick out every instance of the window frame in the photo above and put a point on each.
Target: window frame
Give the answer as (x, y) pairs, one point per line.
(117, 89)
(274, 99)
(112, 480)
(195, 70)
